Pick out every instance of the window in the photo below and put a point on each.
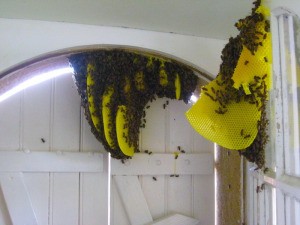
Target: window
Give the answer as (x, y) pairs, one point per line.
(274, 198)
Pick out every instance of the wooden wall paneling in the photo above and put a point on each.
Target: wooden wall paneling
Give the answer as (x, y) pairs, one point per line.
(10, 122)
(118, 214)
(66, 118)
(36, 117)
(203, 186)
(36, 137)
(180, 189)
(153, 139)
(37, 185)
(4, 214)
(204, 199)
(17, 199)
(64, 193)
(133, 199)
(93, 186)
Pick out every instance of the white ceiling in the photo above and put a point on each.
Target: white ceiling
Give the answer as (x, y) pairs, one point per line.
(205, 18)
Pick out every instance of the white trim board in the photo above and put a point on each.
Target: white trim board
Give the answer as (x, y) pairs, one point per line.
(165, 164)
(35, 161)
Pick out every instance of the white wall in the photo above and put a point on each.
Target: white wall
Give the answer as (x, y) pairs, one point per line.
(24, 39)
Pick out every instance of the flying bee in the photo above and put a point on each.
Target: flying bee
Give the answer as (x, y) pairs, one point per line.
(178, 148)
(148, 106)
(154, 178)
(176, 175)
(43, 140)
(172, 175)
(149, 153)
(164, 106)
(146, 151)
(167, 102)
(182, 151)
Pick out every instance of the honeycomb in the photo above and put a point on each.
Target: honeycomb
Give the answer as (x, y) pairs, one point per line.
(231, 108)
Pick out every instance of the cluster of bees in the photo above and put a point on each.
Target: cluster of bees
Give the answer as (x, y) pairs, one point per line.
(136, 80)
(226, 93)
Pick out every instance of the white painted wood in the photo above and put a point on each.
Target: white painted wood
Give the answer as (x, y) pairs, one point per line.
(10, 120)
(33, 161)
(17, 199)
(153, 138)
(93, 186)
(164, 164)
(64, 199)
(180, 189)
(36, 117)
(204, 199)
(4, 214)
(66, 118)
(118, 213)
(154, 191)
(133, 199)
(37, 185)
(176, 219)
(64, 193)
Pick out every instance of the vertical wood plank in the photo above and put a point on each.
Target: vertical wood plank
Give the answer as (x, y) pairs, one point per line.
(10, 122)
(36, 137)
(153, 139)
(64, 192)
(204, 199)
(93, 186)
(180, 189)
(38, 190)
(133, 199)
(118, 214)
(36, 117)
(65, 197)
(17, 199)
(66, 122)
(4, 214)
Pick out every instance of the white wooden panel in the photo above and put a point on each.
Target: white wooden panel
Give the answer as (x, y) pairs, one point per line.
(36, 117)
(64, 193)
(118, 214)
(66, 118)
(153, 138)
(10, 123)
(93, 186)
(65, 199)
(15, 161)
(180, 189)
(93, 204)
(38, 190)
(176, 219)
(153, 135)
(162, 164)
(204, 199)
(17, 200)
(4, 214)
(154, 192)
(180, 131)
(133, 199)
